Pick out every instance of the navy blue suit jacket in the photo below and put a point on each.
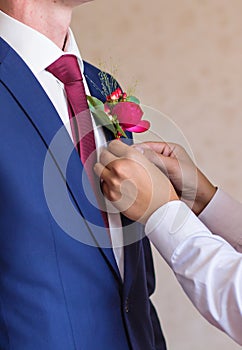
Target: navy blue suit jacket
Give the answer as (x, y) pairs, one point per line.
(56, 292)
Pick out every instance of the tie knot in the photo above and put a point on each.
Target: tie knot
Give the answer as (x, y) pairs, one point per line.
(66, 69)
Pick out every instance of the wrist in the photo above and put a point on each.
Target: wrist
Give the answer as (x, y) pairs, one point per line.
(203, 197)
(159, 204)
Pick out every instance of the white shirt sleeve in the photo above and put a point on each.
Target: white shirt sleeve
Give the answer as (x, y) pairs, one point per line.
(223, 216)
(207, 267)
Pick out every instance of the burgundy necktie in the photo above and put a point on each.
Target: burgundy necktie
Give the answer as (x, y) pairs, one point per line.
(67, 70)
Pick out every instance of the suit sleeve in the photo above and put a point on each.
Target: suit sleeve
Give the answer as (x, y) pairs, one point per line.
(223, 217)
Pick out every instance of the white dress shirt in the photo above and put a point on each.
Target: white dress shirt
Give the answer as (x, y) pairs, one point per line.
(207, 267)
(38, 52)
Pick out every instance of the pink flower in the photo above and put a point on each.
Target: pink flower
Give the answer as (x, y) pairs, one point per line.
(129, 115)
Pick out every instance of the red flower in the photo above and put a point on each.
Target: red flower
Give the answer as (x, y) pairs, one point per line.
(129, 115)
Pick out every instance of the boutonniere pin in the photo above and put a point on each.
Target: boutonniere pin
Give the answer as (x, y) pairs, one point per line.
(119, 113)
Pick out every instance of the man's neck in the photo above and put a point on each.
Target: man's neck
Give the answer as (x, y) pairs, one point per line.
(49, 18)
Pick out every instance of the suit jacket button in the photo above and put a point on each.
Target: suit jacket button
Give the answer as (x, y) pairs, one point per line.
(126, 307)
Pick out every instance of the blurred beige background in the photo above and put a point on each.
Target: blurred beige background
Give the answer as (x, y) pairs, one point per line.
(186, 57)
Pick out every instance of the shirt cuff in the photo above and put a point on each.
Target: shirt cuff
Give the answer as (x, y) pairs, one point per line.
(171, 225)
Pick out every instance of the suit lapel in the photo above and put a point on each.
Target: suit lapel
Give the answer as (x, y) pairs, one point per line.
(132, 232)
(132, 236)
(31, 97)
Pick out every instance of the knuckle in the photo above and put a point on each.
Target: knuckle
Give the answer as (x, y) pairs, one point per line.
(109, 192)
(118, 168)
(114, 196)
(114, 183)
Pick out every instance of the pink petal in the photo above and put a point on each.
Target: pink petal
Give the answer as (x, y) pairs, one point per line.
(128, 113)
(143, 126)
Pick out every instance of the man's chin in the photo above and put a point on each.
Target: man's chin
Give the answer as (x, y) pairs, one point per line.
(80, 2)
(75, 3)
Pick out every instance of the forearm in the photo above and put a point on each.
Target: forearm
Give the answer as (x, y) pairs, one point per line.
(210, 273)
(207, 267)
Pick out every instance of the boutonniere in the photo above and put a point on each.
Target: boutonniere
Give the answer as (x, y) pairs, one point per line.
(119, 113)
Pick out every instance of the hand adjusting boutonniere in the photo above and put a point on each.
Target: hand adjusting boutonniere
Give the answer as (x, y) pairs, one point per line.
(119, 113)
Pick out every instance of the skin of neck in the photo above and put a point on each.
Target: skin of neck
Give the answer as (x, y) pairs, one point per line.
(49, 17)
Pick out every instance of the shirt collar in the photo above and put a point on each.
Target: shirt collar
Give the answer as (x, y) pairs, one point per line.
(34, 48)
